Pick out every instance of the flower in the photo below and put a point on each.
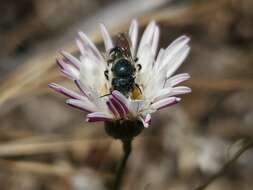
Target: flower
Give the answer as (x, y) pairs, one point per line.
(156, 88)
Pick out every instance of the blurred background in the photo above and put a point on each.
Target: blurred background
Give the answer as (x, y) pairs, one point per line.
(45, 145)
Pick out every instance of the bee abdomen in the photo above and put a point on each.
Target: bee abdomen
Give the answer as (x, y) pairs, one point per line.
(124, 85)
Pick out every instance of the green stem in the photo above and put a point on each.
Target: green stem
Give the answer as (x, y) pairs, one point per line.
(127, 147)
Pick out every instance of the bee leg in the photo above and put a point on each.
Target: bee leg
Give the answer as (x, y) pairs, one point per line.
(136, 59)
(106, 72)
(138, 88)
(139, 67)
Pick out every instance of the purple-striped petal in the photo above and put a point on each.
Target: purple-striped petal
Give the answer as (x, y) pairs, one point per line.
(112, 108)
(81, 87)
(147, 121)
(60, 63)
(65, 91)
(68, 70)
(86, 51)
(71, 59)
(68, 74)
(120, 109)
(98, 117)
(121, 99)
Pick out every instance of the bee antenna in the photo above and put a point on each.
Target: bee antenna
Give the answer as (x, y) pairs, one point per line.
(105, 95)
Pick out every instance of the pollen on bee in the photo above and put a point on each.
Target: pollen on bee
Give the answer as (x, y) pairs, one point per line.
(105, 89)
(136, 93)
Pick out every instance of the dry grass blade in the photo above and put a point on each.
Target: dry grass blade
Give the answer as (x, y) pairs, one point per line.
(36, 168)
(24, 149)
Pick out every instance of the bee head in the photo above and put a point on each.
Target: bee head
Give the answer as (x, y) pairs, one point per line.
(115, 53)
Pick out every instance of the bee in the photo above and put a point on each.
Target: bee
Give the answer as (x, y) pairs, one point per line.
(122, 66)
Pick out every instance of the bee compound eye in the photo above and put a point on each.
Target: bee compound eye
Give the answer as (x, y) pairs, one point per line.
(115, 52)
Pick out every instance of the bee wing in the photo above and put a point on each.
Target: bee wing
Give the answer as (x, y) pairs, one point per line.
(123, 41)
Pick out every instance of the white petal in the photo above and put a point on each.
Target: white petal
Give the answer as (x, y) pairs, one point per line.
(90, 44)
(73, 71)
(164, 103)
(135, 106)
(65, 91)
(91, 74)
(84, 105)
(146, 59)
(147, 36)
(178, 60)
(80, 46)
(107, 38)
(167, 63)
(177, 44)
(133, 33)
(181, 90)
(173, 50)
(159, 59)
(177, 79)
(155, 40)
(166, 92)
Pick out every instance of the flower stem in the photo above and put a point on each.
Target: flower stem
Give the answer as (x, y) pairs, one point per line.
(127, 147)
